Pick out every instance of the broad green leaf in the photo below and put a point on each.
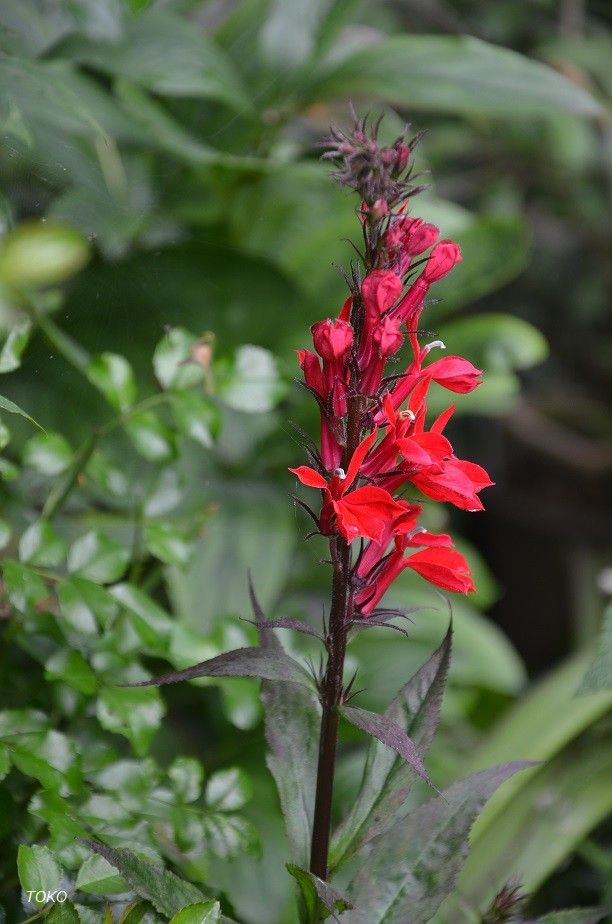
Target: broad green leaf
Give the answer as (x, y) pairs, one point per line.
(496, 342)
(165, 541)
(150, 621)
(106, 475)
(557, 806)
(14, 345)
(186, 775)
(49, 453)
(228, 790)
(228, 836)
(167, 55)
(153, 440)
(317, 893)
(599, 674)
(250, 382)
(7, 405)
(38, 870)
(98, 877)
(71, 668)
(23, 586)
(49, 757)
(387, 779)
(172, 360)
(113, 376)
(289, 35)
(166, 892)
(197, 417)
(456, 74)
(63, 913)
(411, 869)
(37, 254)
(41, 545)
(84, 605)
(134, 713)
(200, 913)
(98, 558)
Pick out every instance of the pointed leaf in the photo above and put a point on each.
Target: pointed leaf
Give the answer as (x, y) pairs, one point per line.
(411, 869)
(7, 405)
(599, 674)
(200, 913)
(38, 869)
(317, 891)
(387, 778)
(166, 892)
(242, 662)
(390, 733)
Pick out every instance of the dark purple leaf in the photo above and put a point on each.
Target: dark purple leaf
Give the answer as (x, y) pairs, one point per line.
(241, 662)
(388, 732)
(296, 624)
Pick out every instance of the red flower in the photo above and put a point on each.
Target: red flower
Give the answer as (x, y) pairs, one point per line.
(441, 260)
(332, 339)
(362, 512)
(455, 373)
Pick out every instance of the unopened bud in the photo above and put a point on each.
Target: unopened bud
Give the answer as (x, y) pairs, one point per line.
(379, 209)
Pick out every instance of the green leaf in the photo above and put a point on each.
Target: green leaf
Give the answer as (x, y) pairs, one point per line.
(290, 32)
(40, 545)
(12, 408)
(250, 382)
(134, 713)
(98, 558)
(152, 439)
(413, 867)
(37, 254)
(49, 453)
(387, 778)
(99, 877)
(186, 775)
(113, 376)
(165, 541)
(49, 757)
(200, 913)
(13, 347)
(71, 668)
(599, 675)
(497, 342)
(5, 762)
(316, 892)
(152, 624)
(166, 892)
(5, 533)
(172, 360)
(24, 587)
(84, 605)
(197, 417)
(38, 870)
(292, 726)
(167, 55)
(229, 835)
(228, 790)
(456, 74)
(573, 916)
(63, 913)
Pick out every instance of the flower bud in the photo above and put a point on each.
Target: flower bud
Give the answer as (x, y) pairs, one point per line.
(441, 261)
(379, 209)
(387, 336)
(332, 339)
(402, 154)
(379, 290)
(455, 373)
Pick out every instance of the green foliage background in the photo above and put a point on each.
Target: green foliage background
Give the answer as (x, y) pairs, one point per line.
(161, 188)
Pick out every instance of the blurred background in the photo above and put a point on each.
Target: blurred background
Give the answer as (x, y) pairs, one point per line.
(160, 172)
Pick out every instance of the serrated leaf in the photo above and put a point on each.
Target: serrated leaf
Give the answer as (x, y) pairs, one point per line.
(134, 713)
(228, 790)
(599, 675)
(113, 376)
(229, 835)
(7, 405)
(63, 913)
(152, 624)
(98, 558)
(49, 453)
(409, 871)
(186, 775)
(165, 541)
(13, 347)
(99, 877)
(316, 892)
(166, 892)
(200, 913)
(84, 605)
(37, 254)
(242, 662)
(387, 779)
(50, 758)
(23, 586)
(38, 870)
(152, 439)
(71, 668)
(389, 733)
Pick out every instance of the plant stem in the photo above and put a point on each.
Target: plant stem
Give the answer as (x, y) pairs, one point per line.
(332, 688)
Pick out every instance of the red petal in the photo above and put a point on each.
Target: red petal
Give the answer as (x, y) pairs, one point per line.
(309, 477)
(445, 568)
(357, 459)
(366, 512)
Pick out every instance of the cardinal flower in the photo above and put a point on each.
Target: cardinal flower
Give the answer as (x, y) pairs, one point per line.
(364, 511)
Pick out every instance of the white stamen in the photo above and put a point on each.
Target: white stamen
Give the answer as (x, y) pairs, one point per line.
(340, 473)
(435, 344)
(415, 532)
(407, 415)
